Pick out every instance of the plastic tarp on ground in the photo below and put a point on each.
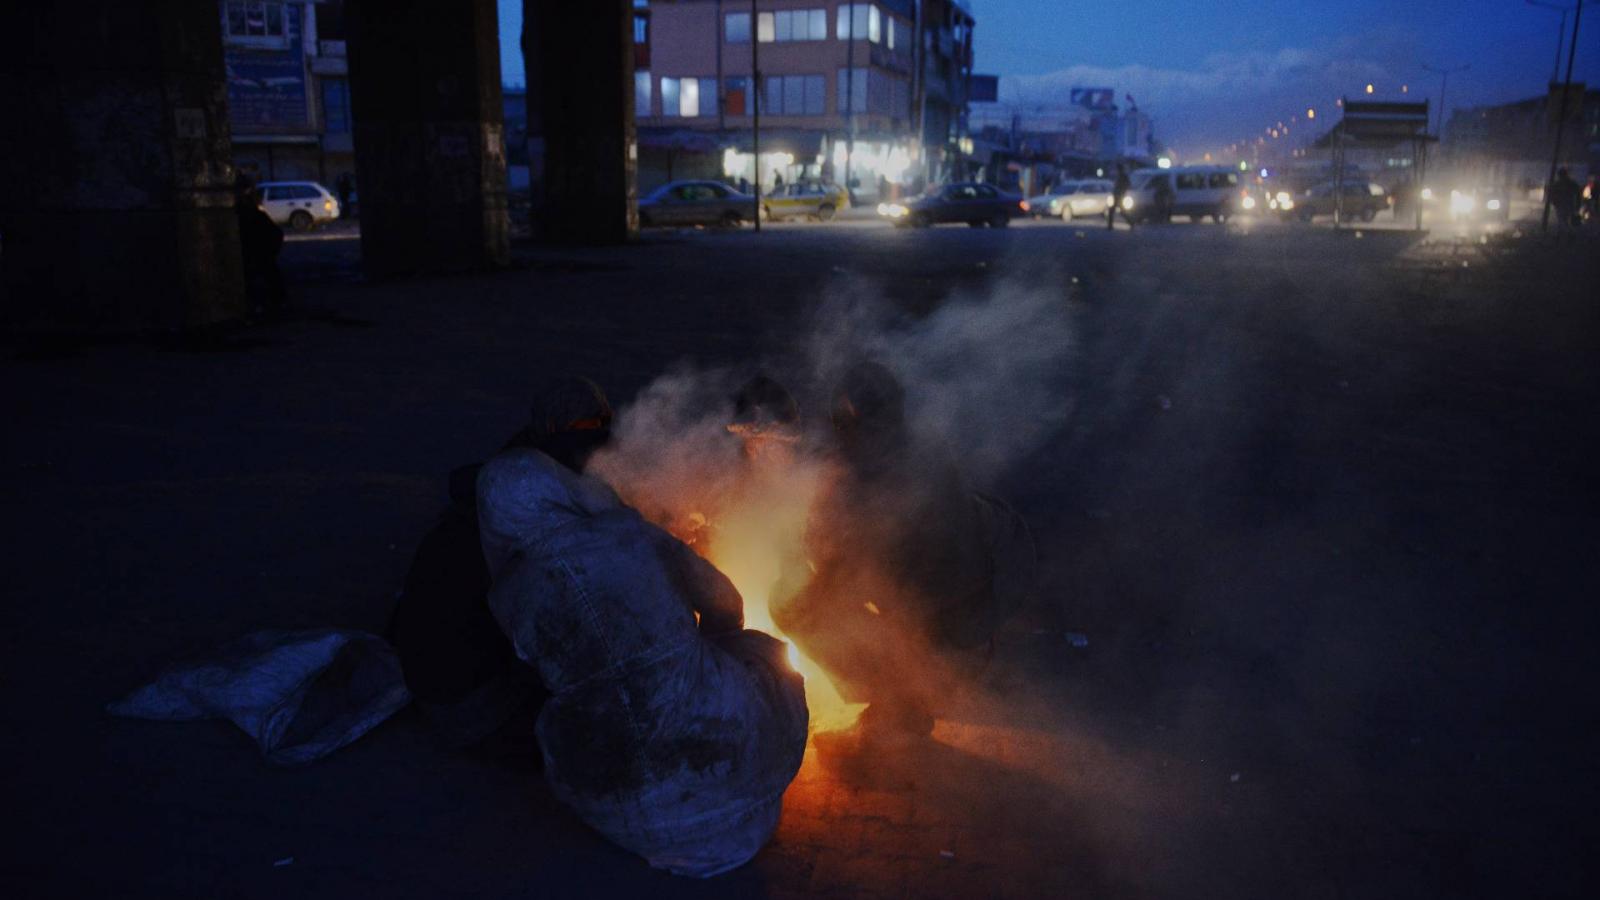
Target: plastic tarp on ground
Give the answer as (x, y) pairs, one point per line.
(674, 739)
(300, 694)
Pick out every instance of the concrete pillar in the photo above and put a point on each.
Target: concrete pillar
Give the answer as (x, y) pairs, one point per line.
(583, 149)
(116, 180)
(429, 134)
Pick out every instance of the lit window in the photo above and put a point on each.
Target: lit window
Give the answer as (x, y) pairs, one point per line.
(737, 28)
(793, 25)
(669, 97)
(689, 97)
(858, 21)
(254, 21)
(641, 94)
(683, 97)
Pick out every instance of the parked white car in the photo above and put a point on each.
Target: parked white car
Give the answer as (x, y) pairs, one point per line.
(1073, 199)
(301, 205)
(1157, 195)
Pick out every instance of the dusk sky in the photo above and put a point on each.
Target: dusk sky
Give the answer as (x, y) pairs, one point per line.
(1209, 74)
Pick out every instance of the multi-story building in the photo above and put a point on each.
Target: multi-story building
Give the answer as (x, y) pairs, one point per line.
(943, 90)
(288, 94)
(1513, 143)
(1025, 147)
(838, 92)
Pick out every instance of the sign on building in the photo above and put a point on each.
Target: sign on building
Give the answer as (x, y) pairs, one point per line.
(984, 89)
(1093, 98)
(267, 86)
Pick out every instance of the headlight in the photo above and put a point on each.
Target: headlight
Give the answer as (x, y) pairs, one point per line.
(1248, 203)
(892, 210)
(1427, 193)
(1461, 204)
(327, 204)
(1493, 205)
(1284, 199)
(1110, 202)
(1127, 203)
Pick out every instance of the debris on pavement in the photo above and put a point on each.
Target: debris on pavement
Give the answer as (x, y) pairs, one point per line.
(300, 694)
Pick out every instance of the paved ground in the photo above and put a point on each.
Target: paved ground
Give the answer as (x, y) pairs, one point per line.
(1321, 504)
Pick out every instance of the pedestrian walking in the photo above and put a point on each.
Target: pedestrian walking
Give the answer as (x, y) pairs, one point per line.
(345, 184)
(1119, 190)
(1563, 193)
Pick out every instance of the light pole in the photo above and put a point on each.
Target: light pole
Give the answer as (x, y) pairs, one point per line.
(1444, 82)
(755, 106)
(1561, 121)
(1561, 33)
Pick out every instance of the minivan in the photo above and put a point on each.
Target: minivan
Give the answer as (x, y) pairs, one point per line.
(1193, 191)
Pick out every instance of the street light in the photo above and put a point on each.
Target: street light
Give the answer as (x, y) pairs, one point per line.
(1444, 81)
(1369, 88)
(1311, 113)
(1561, 119)
(1561, 33)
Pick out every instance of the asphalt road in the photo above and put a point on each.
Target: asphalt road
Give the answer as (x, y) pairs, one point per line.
(1320, 504)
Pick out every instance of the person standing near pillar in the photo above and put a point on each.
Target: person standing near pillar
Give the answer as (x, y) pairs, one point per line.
(1119, 190)
(260, 241)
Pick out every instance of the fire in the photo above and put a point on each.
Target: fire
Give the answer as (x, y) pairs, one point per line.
(759, 545)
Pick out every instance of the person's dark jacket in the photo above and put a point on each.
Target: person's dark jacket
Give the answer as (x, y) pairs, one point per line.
(459, 666)
(1564, 194)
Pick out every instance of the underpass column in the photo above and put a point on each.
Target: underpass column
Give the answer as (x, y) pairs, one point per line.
(581, 132)
(116, 174)
(429, 135)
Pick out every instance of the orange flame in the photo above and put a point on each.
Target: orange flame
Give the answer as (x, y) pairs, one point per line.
(759, 545)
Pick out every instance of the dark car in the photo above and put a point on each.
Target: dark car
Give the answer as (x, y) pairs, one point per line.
(1362, 200)
(970, 202)
(696, 203)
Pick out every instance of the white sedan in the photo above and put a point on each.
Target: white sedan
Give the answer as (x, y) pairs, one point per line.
(298, 204)
(1073, 199)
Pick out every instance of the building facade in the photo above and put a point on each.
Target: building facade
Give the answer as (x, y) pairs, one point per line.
(288, 89)
(1513, 143)
(838, 90)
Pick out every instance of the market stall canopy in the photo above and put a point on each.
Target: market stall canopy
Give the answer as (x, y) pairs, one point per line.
(1379, 123)
(803, 143)
(685, 139)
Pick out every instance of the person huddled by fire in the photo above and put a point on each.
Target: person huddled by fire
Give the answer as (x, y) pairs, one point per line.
(461, 669)
(913, 570)
(670, 729)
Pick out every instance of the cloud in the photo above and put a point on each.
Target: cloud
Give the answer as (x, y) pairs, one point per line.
(1226, 97)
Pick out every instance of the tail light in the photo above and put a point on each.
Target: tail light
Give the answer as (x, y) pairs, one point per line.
(1023, 205)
